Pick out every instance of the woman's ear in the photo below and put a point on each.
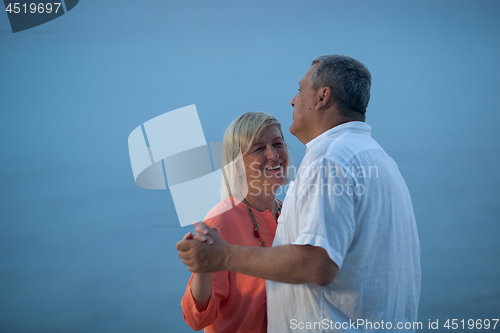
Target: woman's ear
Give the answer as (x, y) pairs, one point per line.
(239, 166)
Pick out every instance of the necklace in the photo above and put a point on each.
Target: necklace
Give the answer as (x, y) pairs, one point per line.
(255, 225)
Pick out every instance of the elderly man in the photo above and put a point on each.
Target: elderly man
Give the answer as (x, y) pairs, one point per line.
(346, 255)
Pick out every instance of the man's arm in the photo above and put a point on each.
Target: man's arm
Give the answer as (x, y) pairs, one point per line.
(295, 264)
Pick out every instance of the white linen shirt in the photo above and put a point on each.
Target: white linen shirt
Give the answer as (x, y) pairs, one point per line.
(350, 199)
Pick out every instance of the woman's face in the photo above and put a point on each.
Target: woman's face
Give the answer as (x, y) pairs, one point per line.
(266, 162)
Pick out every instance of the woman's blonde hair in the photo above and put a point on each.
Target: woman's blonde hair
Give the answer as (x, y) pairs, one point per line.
(240, 136)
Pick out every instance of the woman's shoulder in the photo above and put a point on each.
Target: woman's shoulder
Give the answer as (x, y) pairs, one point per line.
(225, 211)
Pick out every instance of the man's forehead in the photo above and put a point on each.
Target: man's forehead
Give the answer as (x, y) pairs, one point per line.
(304, 80)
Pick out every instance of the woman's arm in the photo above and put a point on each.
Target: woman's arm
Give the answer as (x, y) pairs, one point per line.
(201, 289)
(201, 286)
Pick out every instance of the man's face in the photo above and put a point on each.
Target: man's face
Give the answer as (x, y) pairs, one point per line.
(303, 103)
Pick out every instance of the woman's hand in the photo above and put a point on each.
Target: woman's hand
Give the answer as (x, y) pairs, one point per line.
(200, 235)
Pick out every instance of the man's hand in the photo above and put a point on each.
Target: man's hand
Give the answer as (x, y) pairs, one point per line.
(199, 256)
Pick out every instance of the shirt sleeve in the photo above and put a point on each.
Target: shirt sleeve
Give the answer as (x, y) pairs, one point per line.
(198, 320)
(325, 209)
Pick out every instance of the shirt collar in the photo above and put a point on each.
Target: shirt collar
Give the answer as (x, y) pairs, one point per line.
(351, 126)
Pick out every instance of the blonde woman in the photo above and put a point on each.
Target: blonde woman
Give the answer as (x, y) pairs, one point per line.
(247, 215)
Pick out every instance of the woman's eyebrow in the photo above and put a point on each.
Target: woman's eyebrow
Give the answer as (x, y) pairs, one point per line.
(261, 143)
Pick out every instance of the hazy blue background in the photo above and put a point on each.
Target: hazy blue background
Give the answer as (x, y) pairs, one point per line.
(83, 249)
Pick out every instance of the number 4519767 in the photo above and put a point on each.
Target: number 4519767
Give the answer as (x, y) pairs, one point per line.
(33, 8)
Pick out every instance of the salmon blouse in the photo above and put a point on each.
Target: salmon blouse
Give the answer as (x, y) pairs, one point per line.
(238, 301)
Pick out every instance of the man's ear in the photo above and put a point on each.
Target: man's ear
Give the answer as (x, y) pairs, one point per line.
(324, 97)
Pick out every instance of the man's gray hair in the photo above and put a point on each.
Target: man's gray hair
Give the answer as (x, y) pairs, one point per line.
(349, 80)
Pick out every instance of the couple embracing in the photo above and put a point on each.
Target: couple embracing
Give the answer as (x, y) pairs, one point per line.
(340, 254)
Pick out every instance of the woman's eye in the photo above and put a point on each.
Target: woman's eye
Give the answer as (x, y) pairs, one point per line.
(258, 149)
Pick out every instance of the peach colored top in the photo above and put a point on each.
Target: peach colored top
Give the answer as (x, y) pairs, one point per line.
(238, 301)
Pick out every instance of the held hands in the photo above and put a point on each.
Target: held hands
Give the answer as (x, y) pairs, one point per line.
(201, 233)
(204, 251)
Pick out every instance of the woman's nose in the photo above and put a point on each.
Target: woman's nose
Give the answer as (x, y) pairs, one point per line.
(271, 153)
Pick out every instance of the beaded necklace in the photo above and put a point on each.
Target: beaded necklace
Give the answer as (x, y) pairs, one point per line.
(255, 225)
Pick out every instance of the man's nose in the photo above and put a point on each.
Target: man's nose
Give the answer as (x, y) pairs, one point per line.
(292, 102)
